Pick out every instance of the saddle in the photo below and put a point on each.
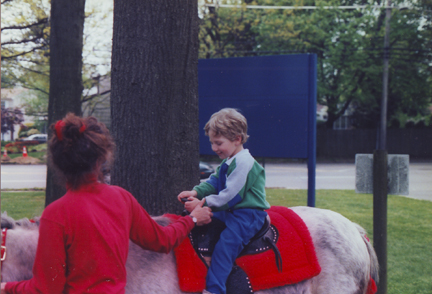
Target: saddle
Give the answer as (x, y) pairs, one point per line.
(204, 239)
(256, 271)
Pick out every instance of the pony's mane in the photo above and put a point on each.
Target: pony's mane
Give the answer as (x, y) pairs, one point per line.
(162, 220)
(9, 223)
(6, 221)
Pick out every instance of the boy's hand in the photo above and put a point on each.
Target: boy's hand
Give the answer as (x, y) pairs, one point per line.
(187, 195)
(192, 203)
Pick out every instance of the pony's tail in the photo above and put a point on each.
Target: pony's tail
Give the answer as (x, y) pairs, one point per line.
(374, 266)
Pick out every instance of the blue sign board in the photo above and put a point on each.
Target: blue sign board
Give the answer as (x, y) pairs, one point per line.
(276, 94)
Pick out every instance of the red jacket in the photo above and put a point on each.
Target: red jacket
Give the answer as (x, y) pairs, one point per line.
(84, 241)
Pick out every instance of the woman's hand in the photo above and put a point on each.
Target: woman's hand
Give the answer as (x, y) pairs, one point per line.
(3, 287)
(202, 214)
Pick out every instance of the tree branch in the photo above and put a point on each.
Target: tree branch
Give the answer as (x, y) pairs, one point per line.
(41, 21)
(22, 53)
(350, 94)
(36, 89)
(88, 98)
(23, 41)
(34, 71)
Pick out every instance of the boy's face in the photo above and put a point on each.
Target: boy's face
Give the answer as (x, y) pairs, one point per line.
(223, 147)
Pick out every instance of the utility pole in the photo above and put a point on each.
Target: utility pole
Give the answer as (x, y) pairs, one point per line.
(380, 173)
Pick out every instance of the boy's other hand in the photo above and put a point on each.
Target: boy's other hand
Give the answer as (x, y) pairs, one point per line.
(192, 203)
(186, 194)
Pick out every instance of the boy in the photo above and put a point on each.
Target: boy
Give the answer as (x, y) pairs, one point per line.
(235, 193)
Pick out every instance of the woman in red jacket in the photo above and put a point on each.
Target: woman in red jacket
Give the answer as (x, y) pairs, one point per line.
(84, 235)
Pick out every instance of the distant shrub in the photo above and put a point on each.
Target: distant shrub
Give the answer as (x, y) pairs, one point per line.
(11, 148)
(32, 132)
(16, 147)
(4, 143)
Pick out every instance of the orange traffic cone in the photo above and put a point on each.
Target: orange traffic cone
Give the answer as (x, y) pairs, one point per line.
(24, 151)
(5, 157)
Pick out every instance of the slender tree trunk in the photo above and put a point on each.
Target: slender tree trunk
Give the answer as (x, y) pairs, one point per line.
(66, 42)
(154, 101)
(12, 130)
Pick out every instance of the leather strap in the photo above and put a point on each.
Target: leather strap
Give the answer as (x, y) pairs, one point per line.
(3, 245)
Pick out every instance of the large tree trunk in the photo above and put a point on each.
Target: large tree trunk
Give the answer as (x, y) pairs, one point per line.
(66, 42)
(154, 101)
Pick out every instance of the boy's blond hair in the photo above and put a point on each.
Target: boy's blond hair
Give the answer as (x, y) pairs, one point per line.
(229, 123)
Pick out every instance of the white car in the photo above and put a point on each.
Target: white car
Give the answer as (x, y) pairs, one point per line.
(41, 138)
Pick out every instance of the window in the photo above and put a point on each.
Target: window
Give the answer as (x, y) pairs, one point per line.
(342, 123)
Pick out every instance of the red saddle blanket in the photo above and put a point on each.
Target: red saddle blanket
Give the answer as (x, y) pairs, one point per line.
(294, 243)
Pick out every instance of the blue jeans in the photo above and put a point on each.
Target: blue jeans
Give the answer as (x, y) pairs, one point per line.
(241, 226)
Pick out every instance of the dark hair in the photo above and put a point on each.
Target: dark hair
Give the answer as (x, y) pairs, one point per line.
(77, 146)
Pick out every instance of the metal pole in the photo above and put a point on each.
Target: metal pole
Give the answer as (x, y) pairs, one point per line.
(382, 145)
(380, 173)
(380, 215)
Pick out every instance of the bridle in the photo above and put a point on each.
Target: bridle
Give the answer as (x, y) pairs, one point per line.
(3, 245)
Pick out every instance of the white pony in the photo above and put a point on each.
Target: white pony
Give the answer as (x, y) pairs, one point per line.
(348, 261)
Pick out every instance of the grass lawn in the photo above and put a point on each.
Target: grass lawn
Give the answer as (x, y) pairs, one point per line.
(409, 228)
(22, 204)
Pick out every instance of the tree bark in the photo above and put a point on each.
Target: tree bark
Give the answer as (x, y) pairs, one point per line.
(154, 101)
(66, 42)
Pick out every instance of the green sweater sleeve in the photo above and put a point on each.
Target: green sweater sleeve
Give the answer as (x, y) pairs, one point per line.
(204, 189)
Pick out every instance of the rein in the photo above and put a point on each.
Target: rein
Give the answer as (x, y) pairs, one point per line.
(3, 245)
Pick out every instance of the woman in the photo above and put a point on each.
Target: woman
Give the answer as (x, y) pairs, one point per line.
(84, 235)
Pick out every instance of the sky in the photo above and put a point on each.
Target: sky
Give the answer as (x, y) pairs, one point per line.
(98, 30)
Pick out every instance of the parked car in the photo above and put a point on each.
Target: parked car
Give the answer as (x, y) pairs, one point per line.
(41, 138)
(205, 170)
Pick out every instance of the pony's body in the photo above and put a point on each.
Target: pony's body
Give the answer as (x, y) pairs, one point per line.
(347, 259)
